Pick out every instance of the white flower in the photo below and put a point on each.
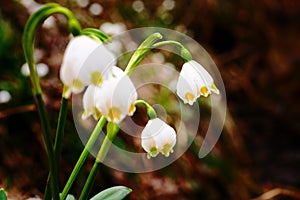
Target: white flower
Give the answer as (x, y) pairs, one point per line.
(193, 82)
(89, 103)
(158, 137)
(114, 98)
(85, 62)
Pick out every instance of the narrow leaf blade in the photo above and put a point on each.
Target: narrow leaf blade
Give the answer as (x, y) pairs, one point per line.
(113, 193)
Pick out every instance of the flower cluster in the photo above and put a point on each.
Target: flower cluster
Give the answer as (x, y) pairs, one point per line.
(114, 99)
(111, 93)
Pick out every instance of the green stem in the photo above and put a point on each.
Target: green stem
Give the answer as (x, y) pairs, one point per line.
(46, 131)
(141, 52)
(60, 128)
(32, 25)
(83, 156)
(112, 130)
(90, 181)
(150, 110)
(59, 135)
(185, 54)
(28, 41)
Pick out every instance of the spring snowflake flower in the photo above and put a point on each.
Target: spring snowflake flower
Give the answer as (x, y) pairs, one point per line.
(85, 62)
(89, 103)
(193, 82)
(158, 137)
(114, 99)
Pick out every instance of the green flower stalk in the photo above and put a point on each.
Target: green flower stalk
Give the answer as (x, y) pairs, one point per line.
(150, 110)
(141, 52)
(184, 53)
(95, 134)
(28, 40)
(112, 130)
(32, 25)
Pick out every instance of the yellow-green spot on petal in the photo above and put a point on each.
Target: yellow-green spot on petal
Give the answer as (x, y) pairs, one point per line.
(189, 96)
(166, 150)
(96, 78)
(152, 153)
(85, 114)
(97, 114)
(131, 109)
(77, 84)
(114, 113)
(66, 92)
(214, 88)
(204, 91)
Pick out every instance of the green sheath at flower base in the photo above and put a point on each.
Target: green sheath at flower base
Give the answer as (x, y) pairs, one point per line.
(184, 53)
(96, 33)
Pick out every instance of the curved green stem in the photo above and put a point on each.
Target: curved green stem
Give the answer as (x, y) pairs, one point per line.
(185, 54)
(112, 130)
(150, 110)
(28, 40)
(96, 33)
(32, 25)
(141, 52)
(83, 156)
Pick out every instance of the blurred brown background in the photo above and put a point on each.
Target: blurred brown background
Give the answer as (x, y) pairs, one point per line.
(256, 47)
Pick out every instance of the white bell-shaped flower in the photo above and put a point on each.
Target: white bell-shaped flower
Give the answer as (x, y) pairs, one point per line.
(193, 82)
(158, 137)
(86, 61)
(89, 103)
(116, 97)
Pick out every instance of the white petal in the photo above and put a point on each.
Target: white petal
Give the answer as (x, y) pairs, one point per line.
(97, 67)
(158, 136)
(186, 86)
(77, 51)
(116, 96)
(148, 142)
(166, 140)
(88, 102)
(85, 61)
(202, 72)
(205, 82)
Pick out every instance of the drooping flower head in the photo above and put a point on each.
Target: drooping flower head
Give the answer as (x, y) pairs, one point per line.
(194, 81)
(158, 137)
(86, 61)
(114, 98)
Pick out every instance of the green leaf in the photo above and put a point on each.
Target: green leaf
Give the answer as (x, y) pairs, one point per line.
(113, 193)
(2, 194)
